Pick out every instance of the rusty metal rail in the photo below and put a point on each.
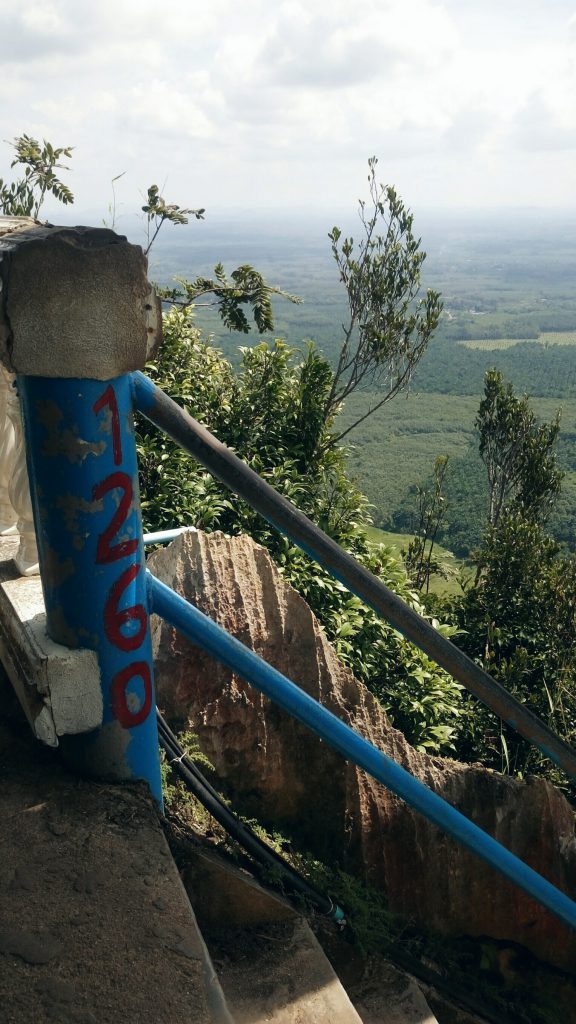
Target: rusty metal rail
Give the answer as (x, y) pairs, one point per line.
(238, 477)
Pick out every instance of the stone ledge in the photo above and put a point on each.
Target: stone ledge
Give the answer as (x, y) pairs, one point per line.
(59, 688)
(96, 927)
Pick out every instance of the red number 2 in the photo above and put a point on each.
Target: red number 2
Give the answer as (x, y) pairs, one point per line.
(107, 552)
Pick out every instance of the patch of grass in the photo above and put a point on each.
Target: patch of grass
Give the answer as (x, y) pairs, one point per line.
(398, 541)
(499, 344)
(495, 344)
(178, 799)
(558, 338)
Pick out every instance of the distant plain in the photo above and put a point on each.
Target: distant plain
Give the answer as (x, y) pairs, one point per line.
(508, 282)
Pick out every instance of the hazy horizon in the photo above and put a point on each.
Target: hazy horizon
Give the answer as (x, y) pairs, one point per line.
(466, 104)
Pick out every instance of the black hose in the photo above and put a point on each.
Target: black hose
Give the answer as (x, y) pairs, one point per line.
(263, 854)
(195, 781)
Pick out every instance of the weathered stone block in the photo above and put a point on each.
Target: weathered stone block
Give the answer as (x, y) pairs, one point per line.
(74, 302)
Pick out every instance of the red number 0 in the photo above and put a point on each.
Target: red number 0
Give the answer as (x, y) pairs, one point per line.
(107, 552)
(108, 398)
(114, 619)
(120, 709)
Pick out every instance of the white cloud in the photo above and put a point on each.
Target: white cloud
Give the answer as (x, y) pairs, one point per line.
(254, 102)
(542, 125)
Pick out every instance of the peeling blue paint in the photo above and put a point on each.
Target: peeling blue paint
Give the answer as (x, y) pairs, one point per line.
(92, 558)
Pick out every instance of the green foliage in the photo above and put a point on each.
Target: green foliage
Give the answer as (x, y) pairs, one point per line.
(522, 467)
(158, 212)
(387, 330)
(271, 412)
(422, 700)
(519, 621)
(24, 197)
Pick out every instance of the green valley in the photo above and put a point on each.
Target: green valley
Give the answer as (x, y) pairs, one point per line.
(509, 302)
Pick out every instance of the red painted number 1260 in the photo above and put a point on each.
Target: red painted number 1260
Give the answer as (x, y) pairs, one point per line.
(112, 548)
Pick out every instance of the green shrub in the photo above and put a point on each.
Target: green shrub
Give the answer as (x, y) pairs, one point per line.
(270, 413)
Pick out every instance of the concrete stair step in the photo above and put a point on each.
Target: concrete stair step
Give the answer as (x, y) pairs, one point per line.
(95, 924)
(278, 973)
(269, 962)
(391, 997)
(271, 965)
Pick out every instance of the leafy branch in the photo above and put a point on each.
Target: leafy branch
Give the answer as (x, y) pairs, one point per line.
(245, 286)
(25, 197)
(387, 331)
(158, 211)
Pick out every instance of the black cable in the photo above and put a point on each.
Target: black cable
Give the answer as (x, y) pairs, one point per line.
(196, 782)
(243, 834)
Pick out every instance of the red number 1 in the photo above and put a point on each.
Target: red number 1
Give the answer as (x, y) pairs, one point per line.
(108, 398)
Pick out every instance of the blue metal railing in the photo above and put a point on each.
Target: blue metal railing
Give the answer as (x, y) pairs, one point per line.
(201, 630)
(243, 481)
(166, 414)
(84, 485)
(163, 536)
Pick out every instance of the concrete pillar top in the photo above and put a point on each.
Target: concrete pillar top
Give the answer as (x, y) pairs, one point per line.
(74, 301)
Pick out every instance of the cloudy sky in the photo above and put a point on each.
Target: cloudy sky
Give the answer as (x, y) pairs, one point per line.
(260, 104)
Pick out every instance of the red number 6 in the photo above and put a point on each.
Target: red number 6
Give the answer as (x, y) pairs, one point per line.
(114, 618)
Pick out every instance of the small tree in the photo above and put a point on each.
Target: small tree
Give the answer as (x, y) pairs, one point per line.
(518, 615)
(518, 619)
(388, 328)
(419, 558)
(24, 198)
(522, 467)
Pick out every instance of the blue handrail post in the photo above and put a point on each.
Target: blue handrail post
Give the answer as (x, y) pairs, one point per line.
(72, 342)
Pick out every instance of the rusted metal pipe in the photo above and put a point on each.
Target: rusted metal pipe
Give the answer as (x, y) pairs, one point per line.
(236, 475)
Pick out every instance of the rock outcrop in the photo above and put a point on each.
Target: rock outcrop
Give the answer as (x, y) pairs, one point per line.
(276, 768)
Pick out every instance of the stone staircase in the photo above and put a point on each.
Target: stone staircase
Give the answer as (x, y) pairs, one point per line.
(96, 924)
